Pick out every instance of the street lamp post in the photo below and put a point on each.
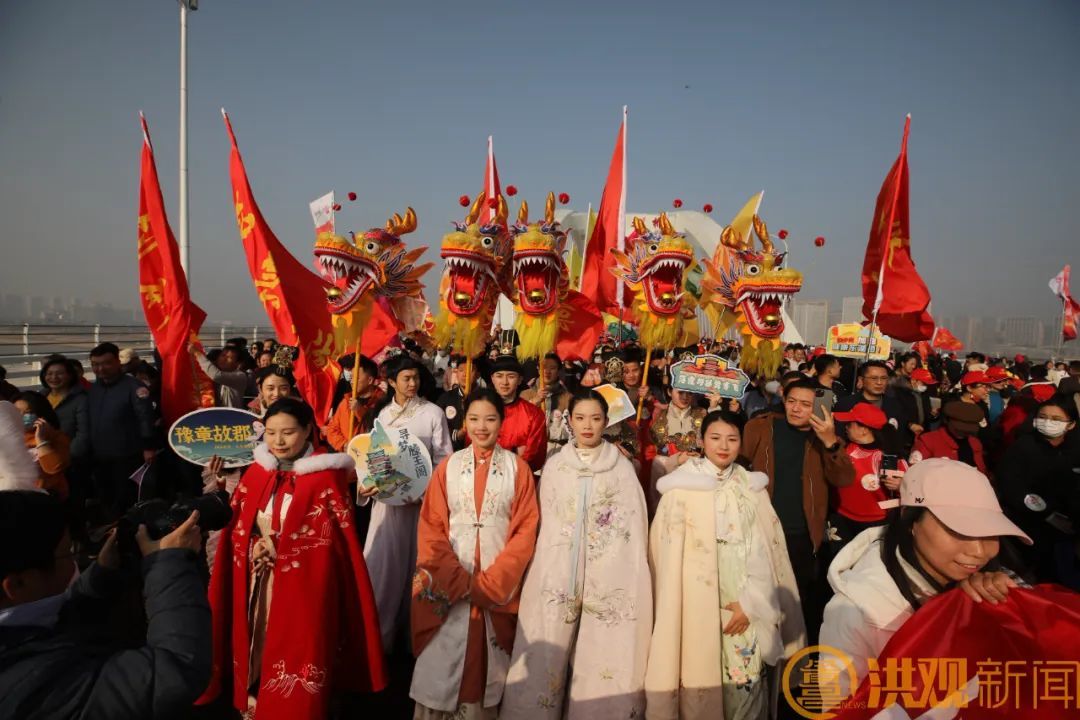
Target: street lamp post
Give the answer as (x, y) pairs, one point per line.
(185, 6)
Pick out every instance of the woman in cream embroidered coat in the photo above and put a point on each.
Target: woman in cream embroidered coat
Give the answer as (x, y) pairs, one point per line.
(586, 607)
(727, 606)
(476, 536)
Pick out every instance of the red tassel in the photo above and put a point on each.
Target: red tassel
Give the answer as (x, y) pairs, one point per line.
(337, 207)
(819, 241)
(707, 208)
(676, 203)
(511, 190)
(352, 197)
(464, 201)
(782, 234)
(564, 198)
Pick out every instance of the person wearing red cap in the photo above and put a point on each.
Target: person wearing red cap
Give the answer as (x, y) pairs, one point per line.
(855, 507)
(915, 400)
(946, 534)
(997, 392)
(873, 388)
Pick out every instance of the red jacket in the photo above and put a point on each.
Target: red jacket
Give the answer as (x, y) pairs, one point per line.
(859, 501)
(525, 425)
(322, 631)
(939, 443)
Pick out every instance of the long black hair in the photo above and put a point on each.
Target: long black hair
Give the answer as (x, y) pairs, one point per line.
(899, 542)
(39, 405)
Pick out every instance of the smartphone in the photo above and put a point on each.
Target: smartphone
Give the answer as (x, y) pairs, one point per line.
(889, 462)
(823, 400)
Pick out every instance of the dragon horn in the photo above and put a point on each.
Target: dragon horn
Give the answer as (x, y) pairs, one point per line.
(523, 213)
(501, 212)
(474, 211)
(399, 226)
(763, 234)
(549, 209)
(665, 225)
(639, 225)
(730, 238)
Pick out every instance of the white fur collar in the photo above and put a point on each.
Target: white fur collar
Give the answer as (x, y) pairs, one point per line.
(309, 463)
(701, 474)
(606, 459)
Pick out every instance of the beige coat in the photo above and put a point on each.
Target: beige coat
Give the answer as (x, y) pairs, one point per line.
(686, 672)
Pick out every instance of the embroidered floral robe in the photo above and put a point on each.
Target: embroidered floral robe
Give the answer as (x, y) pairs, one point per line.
(586, 607)
(321, 633)
(716, 540)
(476, 536)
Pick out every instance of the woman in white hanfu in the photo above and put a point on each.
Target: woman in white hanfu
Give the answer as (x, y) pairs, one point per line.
(727, 607)
(476, 536)
(390, 550)
(586, 607)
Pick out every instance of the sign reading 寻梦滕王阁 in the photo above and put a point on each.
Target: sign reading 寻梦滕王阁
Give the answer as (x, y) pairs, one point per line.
(392, 460)
(229, 433)
(707, 374)
(852, 340)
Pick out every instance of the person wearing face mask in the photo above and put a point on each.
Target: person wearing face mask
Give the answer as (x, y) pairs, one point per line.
(957, 439)
(47, 445)
(476, 536)
(855, 507)
(726, 602)
(1038, 480)
(291, 545)
(946, 534)
(915, 400)
(51, 666)
(585, 617)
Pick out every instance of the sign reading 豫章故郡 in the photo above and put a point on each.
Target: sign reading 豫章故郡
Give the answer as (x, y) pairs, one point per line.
(707, 374)
(229, 433)
(851, 340)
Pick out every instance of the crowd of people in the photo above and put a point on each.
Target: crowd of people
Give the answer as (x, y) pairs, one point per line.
(558, 566)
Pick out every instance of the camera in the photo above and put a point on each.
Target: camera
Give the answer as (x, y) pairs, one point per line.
(160, 519)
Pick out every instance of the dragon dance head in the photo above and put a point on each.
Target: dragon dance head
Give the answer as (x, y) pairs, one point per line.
(655, 268)
(477, 259)
(541, 277)
(541, 281)
(753, 285)
(374, 262)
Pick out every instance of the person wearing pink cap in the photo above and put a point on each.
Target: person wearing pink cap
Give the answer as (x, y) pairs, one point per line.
(946, 534)
(855, 507)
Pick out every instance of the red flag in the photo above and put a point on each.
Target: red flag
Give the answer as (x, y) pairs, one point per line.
(945, 340)
(293, 296)
(609, 234)
(1013, 647)
(923, 348)
(172, 317)
(893, 293)
(1070, 308)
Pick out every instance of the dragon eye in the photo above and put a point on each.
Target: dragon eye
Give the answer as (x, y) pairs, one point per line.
(653, 248)
(371, 247)
(487, 241)
(752, 269)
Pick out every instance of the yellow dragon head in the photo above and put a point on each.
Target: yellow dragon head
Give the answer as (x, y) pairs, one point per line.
(375, 261)
(655, 267)
(752, 286)
(540, 275)
(477, 261)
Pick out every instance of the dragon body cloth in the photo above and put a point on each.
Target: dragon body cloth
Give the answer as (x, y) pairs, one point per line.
(748, 288)
(374, 281)
(477, 264)
(655, 268)
(550, 316)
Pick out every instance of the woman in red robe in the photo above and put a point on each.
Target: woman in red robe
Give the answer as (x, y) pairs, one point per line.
(294, 614)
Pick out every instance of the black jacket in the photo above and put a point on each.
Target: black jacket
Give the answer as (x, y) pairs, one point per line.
(75, 671)
(122, 418)
(896, 438)
(1031, 470)
(74, 415)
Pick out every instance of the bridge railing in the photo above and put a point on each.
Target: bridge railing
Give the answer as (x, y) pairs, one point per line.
(24, 345)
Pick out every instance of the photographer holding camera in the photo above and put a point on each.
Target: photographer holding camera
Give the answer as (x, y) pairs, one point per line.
(57, 659)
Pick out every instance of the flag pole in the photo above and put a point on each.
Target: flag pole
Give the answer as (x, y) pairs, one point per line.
(183, 143)
(643, 387)
(355, 375)
(879, 295)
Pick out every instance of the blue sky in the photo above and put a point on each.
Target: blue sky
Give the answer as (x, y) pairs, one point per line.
(395, 100)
